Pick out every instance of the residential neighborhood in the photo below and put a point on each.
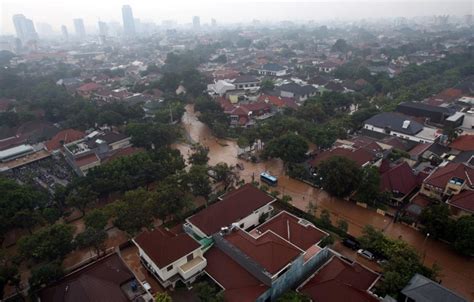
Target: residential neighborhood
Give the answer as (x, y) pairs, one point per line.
(208, 158)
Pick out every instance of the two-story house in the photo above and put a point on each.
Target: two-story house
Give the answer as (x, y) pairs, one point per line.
(447, 180)
(272, 69)
(170, 257)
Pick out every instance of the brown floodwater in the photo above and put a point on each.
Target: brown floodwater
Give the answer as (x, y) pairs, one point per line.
(457, 272)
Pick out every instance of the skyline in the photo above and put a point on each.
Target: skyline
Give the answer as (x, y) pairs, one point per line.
(57, 13)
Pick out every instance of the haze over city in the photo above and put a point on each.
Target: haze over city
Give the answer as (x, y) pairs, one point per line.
(57, 13)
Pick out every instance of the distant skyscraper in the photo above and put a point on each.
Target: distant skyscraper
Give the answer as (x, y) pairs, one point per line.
(213, 22)
(24, 27)
(128, 21)
(79, 28)
(196, 22)
(64, 32)
(103, 28)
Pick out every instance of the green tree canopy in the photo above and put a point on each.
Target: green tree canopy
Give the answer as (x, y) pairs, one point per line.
(340, 176)
(291, 148)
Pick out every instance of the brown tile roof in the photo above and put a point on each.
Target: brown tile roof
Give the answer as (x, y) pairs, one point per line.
(238, 283)
(235, 205)
(338, 280)
(123, 152)
(65, 136)
(89, 87)
(165, 247)
(440, 177)
(398, 179)
(360, 156)
(463, 143)
(99, 281)
(290, 228)
(86, 160)
(269, 250)
(464, 200)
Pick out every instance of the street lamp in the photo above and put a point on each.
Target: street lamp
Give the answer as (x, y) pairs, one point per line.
(424, 247)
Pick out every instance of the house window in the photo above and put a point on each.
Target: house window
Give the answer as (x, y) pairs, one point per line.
(169, 268)
(190, 257)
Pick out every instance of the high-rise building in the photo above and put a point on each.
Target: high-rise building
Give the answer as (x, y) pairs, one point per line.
(64, 32)
(103, 28)
(79, 28)
(128, 21)
(196, 22)
(24, 28)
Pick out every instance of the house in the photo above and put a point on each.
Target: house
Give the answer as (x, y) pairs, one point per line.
(63, 137)
(361, 156)
(278, 101)
(435, 114)
(220, 88)
(340, 280)
(244, 207)
(272, 69)
(86, 90)
(447, 180)
(246, 82)
(398, 180)
(327, 67)
(422, 289)
(266, 261)
(402, 126)
(462, 204)
(170, 257)
(296, 91)
(107, 279)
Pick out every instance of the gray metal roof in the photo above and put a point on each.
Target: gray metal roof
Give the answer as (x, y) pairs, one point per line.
(394, 121)
(422, 289)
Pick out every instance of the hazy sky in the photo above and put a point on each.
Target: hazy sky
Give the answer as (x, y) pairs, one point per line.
(58, 12)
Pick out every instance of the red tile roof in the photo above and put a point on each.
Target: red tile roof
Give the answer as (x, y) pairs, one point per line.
(235, 205)
(89, 87)
(398, 179)
(123, 152)
(419, 149)
(440, 177)
(464, 201)
(86, 160)
(269, 250)
(449, 94)
(463, 143)
(338, 280)
(239, 284)
(360, 156)
(164, 247)
(278, 101)
(99, 281)
(64, 136)
(289, 227)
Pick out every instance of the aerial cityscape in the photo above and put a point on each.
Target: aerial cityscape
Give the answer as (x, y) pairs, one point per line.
(237, 151)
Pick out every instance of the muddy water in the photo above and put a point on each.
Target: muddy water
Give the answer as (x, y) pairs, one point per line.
(457, 272)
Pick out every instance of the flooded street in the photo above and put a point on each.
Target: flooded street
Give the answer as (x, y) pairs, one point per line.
(457, 272)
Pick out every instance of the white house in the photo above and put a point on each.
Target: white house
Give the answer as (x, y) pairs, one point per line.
(272, 69)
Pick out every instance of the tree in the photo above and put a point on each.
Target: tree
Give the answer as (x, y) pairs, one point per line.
(173, 198)
(292, 296)
(51, 243)
(286, 198)
(199, 182)
(325, 217)
(369, 186)
(340, 46)
(291, 148)
(464, 238)
(45, 274)
(452, 133)
(435, 220)
(81, 198)
(208, 293)
(134, 211)
(163, 297)
(96, 219)
(342, 225)
(226, 174)
(340, 176)
(152, 136)
(267, 85)
(311, 208)
(94, 238)
(199, 155)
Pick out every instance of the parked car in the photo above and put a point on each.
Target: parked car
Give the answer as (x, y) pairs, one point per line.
(351, 243)
(366, 254)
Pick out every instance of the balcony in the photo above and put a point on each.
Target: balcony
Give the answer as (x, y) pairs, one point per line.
(190, 268)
